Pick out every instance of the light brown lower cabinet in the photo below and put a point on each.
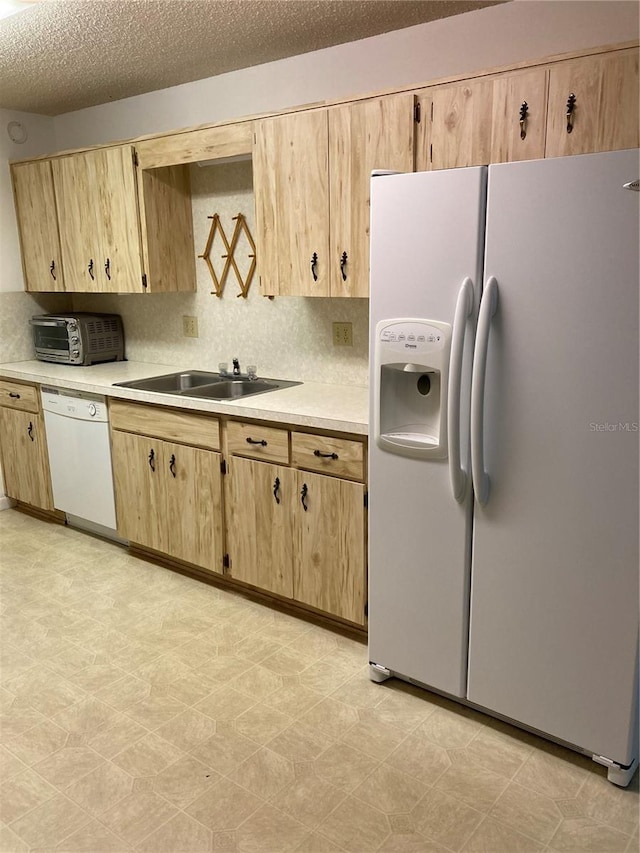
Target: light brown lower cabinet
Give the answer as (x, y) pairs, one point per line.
(169, 497)
(23, 445)
(297, 533)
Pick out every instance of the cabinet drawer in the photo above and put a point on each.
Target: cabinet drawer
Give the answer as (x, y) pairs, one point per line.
(258, 442)
(15, 395)
(183, 427)
(338, 456)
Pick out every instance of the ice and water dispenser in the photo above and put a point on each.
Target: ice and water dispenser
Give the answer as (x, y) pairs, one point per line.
(410, 401)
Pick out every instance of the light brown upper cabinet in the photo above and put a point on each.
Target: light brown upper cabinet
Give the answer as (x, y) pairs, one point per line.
(460, 119)
(492, 120)
(99, 229)
(38, 226)
(519, 116)
(291, 186)
(311, 181)
(597, 98)
(95, 222)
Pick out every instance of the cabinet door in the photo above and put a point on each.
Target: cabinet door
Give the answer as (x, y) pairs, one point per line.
(192, 515)
(78, 221)
(25, 461)
(261, 503)
(329, 568)
(291, 187)
(137, 476)
(115, 195)
(97, 200)
(521, 95)
(461, 128)
(605, 114)
(38, 226)
(366, 135)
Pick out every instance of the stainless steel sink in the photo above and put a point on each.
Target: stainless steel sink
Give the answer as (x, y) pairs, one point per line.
(173, 383)
(212, 386)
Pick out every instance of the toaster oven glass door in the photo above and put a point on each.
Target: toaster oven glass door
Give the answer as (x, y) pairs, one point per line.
(51, 338)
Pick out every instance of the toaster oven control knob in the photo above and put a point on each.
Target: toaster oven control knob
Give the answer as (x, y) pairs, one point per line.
(75, 353)
(93, 410)
(73, 327)
(74, 339)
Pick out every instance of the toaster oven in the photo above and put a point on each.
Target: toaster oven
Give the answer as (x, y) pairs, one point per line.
(78, 338)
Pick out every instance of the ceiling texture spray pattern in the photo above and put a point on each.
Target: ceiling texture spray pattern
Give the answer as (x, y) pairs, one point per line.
(65, 55)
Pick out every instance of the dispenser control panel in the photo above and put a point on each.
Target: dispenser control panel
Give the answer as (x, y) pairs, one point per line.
(412, 337)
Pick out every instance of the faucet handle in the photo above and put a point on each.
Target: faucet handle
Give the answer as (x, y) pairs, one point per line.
(252, 371)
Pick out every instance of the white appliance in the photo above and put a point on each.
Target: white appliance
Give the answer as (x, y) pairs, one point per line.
(503, 483)
(77, 428)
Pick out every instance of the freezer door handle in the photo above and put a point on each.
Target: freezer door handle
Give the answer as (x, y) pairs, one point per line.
(488, 306)
(464, 307)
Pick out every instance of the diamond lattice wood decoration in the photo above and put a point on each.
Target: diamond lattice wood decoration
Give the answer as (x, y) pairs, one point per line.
(229, 255)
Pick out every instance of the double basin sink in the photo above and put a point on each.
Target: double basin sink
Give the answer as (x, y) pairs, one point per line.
(210, 386)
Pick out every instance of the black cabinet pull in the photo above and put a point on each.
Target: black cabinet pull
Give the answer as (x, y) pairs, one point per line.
(152, 459)
(314, 264)
(571, 105)
(276, 489)
(172, 465)
(13, 394)
(303, 496)
(524, 111)
(343, 264)
(52, 270)
(107, 268)
(30, 431)
(325, 455)
(90, 269)
(259, 441)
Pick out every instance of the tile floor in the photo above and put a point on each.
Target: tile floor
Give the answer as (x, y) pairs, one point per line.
(143, 710)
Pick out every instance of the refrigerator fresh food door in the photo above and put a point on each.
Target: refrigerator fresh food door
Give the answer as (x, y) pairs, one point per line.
(426, 260)
(554, 591)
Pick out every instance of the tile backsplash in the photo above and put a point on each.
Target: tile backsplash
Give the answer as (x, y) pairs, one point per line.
(287, 337)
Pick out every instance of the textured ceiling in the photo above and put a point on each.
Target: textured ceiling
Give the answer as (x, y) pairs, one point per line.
(64, 55)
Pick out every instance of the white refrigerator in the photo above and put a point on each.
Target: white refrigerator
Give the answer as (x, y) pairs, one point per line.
(503, 474)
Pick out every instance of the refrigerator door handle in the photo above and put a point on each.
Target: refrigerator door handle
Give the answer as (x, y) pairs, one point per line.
(488, 306)
(464, 307)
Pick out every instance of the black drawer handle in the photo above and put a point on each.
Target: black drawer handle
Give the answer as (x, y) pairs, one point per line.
(107, 268)
(15, 396)
(314, 264)
(343, 264)
(325, 455)
(152, 459)
(30, 431)
(276, 489)
(90, 269)
(52, 270)
(172, 465)
(303, 496)
(259, 441)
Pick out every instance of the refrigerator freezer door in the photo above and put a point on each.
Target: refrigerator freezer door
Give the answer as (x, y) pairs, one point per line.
(419, 533)
(554, 597)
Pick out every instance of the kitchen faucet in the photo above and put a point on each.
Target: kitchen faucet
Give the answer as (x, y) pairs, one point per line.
(236, 367)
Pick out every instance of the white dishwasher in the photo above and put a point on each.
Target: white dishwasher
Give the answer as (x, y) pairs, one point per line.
(77, 427)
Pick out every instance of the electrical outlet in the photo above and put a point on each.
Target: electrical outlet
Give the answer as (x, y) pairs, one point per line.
(342, 334)
(189, 326)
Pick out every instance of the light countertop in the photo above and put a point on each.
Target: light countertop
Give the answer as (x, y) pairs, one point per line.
(343, 408)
